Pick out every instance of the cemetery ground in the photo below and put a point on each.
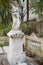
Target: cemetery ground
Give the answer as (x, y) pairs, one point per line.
(4, 61)
(31, 59)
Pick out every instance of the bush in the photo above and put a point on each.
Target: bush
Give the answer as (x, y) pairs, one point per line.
(41, 58)
(31, 28)
(5, 30)
(1, 45)
(41, 35)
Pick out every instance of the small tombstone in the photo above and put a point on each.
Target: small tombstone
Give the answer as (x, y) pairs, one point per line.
(35, 44)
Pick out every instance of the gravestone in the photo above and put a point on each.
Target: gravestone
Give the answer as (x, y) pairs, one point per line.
(35, 44)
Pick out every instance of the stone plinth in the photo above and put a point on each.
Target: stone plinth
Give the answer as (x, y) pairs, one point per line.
(15, 52)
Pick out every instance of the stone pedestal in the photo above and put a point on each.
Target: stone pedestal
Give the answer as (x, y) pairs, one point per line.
(15, 52)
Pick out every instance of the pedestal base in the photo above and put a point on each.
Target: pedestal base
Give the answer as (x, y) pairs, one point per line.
(15, 52)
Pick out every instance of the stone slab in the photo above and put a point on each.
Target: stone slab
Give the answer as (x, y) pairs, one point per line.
(6, 48)
(22, 63)
(1, 51)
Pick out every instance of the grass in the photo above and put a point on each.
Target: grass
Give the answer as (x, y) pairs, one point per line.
(41, 58)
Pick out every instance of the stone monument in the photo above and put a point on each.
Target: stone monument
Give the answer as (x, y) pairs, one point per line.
(15, 53)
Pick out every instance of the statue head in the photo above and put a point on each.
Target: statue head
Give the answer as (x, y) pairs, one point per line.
(14, 6)
(15, 3)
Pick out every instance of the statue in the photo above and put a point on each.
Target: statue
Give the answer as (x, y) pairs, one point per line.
(15, 53)
(15, 16)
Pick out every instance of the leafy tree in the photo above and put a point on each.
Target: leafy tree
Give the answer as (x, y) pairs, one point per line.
(5, 11)
(38, 9)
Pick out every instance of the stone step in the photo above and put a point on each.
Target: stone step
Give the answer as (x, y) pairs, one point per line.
(1, 51)
(6, 48)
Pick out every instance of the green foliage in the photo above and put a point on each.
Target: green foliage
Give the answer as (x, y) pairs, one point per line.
(41, 58)
(41, 35)
(19, 2)
(38, 8)
(1, 45)
(5, 11)
(33, 20)
(31, 51)
(5, 16)
(5, 30)
(4, 4)
(31, 28)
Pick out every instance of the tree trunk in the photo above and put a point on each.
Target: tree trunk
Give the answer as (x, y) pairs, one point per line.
(27, 15)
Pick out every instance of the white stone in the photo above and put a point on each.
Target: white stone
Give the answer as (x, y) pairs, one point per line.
(15, 33)
(22, 63)
(1, 51)
(15, 52)
(6, 48)
(15, 16)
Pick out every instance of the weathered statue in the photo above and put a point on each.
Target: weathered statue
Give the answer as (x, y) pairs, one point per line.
(15, 16)
(15, 55)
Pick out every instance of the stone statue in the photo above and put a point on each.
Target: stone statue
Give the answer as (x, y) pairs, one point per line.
(15, 16)
(15, 55)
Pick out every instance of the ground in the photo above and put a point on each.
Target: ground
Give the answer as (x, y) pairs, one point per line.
(4, 61)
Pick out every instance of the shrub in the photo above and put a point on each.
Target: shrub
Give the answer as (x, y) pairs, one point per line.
(31, 28)
(1, 45)
(41, 35)
(5, 30)
(41, 58)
